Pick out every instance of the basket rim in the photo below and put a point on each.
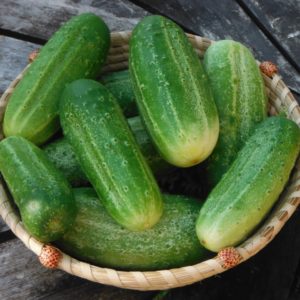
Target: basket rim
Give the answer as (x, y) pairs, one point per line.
(280, 99)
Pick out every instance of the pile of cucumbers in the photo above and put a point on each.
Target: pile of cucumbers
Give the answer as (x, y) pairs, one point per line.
(92, 188)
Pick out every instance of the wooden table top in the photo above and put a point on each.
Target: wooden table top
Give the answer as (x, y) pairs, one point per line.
(271, 28)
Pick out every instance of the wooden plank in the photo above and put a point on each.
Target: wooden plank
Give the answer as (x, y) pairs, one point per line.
(22, 277)
(40, 19)
(3, 227)
(225, 20)
(13, 58)
(281, 20)
(295, 290)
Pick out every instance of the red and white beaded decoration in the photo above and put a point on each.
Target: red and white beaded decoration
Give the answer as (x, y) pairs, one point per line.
(268, 68)
(229, 257)
(50, 257)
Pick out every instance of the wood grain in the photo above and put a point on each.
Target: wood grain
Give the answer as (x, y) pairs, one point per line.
(22, 277)
(40, 19)
(281, 20)
(3, 227)
(13, 58)
(225, 20)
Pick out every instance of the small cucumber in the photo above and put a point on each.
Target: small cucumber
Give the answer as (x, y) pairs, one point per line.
(109, 155)
(61, 153)
(172, 92)
(77, 50)
(42, 194)
(119, 84)
(98, 239)
(239, 93)
(248, 190)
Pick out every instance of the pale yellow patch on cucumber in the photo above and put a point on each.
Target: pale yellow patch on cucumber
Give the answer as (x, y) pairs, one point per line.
(195, 148)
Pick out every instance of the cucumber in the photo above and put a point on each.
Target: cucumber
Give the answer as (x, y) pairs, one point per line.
(172, 92)
(239, 93)
(97, 238)
(109, 155)
(76, 50)
(119, 84)
(248, 190)
(42, 194)
(61, 153)
(157, 164)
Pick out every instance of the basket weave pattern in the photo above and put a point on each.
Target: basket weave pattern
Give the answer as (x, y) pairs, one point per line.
(280, 100)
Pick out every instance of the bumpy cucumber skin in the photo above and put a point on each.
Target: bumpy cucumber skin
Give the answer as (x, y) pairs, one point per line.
(240, 97)
(119, 84)
(248, 190)
(172, 92)
(109, 155)
(61, 153)
(76, 50)
(42, 194)
(97, 238)
(157, 164)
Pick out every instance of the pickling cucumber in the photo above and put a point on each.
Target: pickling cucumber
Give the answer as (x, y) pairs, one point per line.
(119, 84)
(240, 97)
(61, 153)
(96, 238)
(172, 92)
(77, 50)
(251, 186)
(109, 155)
(42, 194)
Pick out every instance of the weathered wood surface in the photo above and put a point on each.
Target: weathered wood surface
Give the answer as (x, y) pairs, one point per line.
(281, 20)
(13, 58)
(225, 20)
(3, 226)
(40, 19)
(22, 277)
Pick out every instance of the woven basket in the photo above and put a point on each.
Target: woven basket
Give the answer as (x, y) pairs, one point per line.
(280, 99)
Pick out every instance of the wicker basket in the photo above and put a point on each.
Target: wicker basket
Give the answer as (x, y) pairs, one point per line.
(280, 99)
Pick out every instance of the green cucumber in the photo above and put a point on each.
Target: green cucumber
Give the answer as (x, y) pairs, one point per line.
(157, 164)
(248, 190)
(42, 194)
(239, 93)
(61, 153)
(119, 84)
(97, 238)
(172, 92)
(76, 50)
(109, 155)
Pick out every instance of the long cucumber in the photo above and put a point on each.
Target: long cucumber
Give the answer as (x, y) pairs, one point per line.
(172, 92)
(109, 155)
(240, 97)
(77, 50)
(98, 239)
(251, 186)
